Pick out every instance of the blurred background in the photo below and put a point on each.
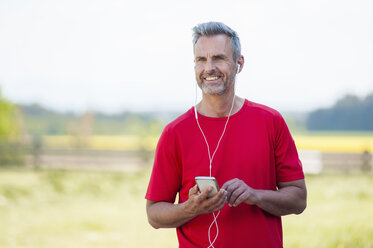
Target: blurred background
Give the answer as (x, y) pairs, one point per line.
(86, 88)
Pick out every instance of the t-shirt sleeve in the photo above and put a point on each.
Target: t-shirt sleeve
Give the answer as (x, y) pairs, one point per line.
(165, 179)
(288, 164)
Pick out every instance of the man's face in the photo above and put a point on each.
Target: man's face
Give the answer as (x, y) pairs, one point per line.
(214, 65)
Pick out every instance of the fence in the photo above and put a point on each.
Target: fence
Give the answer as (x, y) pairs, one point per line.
(314, 162)
(89, 159)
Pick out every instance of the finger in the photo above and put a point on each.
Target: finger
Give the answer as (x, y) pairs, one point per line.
(223, 198)
(243, 197)
(220, 204)
(218, 201)
(228, 183)
(193, 190)
(215, 207)
(235, 194)
(231, 189)
(204, 193)
(222, 194)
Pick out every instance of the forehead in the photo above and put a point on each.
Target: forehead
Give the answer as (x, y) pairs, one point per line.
(213, 45)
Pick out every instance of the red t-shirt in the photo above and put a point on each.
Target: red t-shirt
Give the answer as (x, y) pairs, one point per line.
(257, 148)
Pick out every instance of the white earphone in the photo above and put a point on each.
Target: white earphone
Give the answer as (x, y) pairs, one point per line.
(211, 157)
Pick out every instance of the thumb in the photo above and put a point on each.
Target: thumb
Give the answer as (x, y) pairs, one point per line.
(193, 190)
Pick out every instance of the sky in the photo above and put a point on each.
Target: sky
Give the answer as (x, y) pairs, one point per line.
(112, 56)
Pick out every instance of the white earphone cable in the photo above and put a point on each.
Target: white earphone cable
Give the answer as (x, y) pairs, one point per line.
(213, 155)
(217, 146)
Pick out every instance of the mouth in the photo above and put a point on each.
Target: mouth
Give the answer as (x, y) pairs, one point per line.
(211, 78)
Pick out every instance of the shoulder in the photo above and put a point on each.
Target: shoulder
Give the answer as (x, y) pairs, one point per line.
(262, 110)
(264, 116)
(184, 121)
(176, 131)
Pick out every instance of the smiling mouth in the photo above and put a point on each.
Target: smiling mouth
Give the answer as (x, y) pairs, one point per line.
(211, 78)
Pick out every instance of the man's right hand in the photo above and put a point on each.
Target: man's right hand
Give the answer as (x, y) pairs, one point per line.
(198, 203)
(167, 215)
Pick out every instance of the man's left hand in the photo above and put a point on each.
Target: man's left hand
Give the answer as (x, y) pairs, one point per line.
(238, 192)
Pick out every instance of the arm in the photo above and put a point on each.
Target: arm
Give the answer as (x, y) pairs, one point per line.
(166, 215)
(290, 198)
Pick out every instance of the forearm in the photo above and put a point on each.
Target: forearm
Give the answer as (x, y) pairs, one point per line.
(287, 200)
(167, 215)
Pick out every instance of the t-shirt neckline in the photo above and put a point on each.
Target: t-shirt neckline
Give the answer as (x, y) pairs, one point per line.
(200, 116)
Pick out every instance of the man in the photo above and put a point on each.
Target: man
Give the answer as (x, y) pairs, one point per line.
(246, 146)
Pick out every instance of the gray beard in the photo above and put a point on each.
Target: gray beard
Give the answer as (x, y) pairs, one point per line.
(214, 90)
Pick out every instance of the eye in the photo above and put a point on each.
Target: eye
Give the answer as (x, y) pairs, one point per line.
(200, 59)
(218, 57)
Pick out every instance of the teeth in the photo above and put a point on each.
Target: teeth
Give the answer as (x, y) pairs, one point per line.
(211, 78)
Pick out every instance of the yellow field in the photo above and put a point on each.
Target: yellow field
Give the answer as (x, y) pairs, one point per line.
(335, 143)
(328, 142)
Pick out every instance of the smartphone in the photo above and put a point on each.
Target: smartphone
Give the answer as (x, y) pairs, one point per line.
(205, 182)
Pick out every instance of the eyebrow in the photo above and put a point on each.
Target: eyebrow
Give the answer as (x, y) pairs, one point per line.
(199, 57)
(219, 56)
(214, 56)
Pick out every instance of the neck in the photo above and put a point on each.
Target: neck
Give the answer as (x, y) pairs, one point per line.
(219, 106)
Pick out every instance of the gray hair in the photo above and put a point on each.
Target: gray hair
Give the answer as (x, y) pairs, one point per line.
(215, 28)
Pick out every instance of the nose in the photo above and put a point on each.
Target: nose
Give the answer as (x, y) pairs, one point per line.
(210, 66)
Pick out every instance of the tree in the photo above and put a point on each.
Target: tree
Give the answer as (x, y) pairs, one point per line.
(348, 113)
(8, 121)
(10, 150)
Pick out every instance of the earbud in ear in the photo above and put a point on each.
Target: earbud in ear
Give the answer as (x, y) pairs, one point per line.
(238, 68)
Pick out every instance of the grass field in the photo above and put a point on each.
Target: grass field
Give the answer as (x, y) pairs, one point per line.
(324, 142)
(49, 208)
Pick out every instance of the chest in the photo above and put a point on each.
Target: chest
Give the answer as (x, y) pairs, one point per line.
(243, 153)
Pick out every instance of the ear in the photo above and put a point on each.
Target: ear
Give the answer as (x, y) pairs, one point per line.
(240, 63)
